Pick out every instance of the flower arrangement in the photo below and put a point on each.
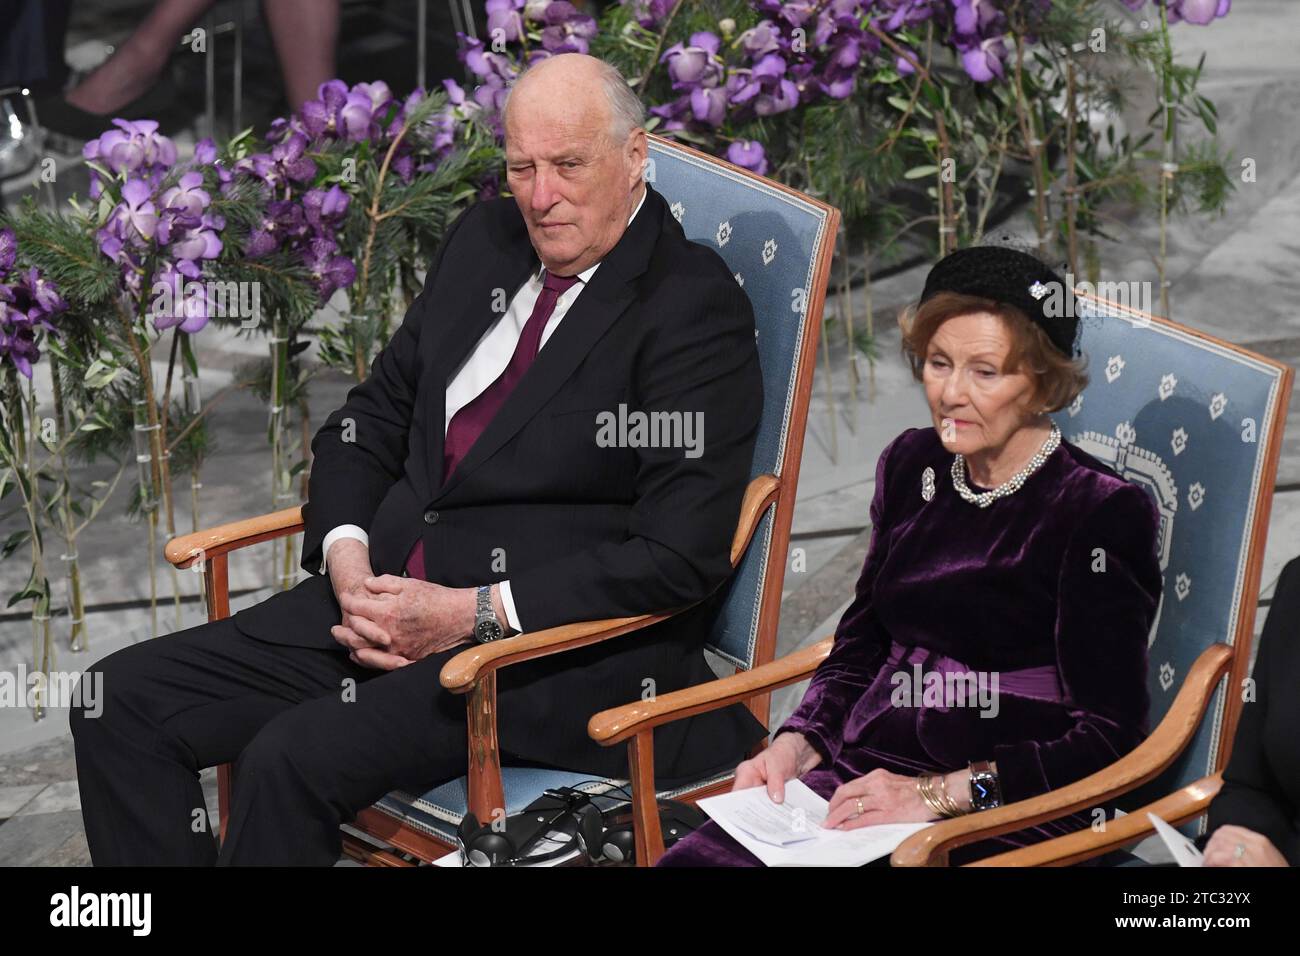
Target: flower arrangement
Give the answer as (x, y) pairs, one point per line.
(29, 445)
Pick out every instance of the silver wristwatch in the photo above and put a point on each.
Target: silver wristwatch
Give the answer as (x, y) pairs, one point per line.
(486, 626)
(985, 788)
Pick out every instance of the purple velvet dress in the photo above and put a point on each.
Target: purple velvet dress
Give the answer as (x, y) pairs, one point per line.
(1051, 590)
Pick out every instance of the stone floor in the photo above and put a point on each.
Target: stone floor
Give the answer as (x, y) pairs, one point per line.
(1237, 276)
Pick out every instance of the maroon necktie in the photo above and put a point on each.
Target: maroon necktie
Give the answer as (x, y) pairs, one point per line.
(470, 420)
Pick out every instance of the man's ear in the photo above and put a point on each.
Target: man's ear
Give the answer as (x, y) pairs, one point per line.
(637, 150)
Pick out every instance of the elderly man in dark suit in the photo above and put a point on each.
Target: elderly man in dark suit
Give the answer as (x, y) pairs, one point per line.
(466, 491)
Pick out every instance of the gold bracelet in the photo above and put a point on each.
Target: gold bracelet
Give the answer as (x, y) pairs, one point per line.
(924, 785)
(944, 797)
(923, 790)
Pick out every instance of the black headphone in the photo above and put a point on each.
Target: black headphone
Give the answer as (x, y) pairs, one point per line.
(601, 835)
(509, 842)
(617, 843)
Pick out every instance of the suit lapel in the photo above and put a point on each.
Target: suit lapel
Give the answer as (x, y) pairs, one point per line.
(599, 305)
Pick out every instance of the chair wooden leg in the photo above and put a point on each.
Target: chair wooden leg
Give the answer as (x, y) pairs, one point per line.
(368, 855)
(216, 594)
(486, 794)
(645, 806)
(224, 780)
(216, 587)
(401, 836)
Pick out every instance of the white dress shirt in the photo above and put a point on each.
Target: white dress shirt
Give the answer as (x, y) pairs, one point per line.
(483, 366)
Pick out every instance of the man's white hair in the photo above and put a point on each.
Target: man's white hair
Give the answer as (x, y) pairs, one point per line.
(626, 110)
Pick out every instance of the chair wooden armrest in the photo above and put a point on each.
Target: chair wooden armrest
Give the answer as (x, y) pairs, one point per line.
(636, 722)
(930, 847)
(185, 549)
(1175, 808)
(473, 671)
(617, 724)
(460, 673)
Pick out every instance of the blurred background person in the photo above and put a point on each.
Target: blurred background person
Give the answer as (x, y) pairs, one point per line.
(304, 32)
(1253, 818)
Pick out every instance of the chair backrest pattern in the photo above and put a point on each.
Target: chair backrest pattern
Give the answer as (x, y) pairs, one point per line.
(777, 243)
(1197, 423)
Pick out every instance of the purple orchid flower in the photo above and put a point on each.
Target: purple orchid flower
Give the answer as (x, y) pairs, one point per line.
(908, 13)
(340, 113)
(673, 114)
(983, 60)
(26, 308)
(133, 149)
(694, 63)
(282, 220)
(321, 115)
(651, 13)
(196, 243)
(177, 302)
(187, 199)
(748, 155)
(291, 160)
(483, 62)
(8, 250)
(17, 342)
(135, 218)
(567, 29)
(378, 95)
(762, 38)
(973, 17)
(504, 19)
(42, 295)
(133, 145)
(1200, 12)
(286, 163)
(329, 270)
(324, 209)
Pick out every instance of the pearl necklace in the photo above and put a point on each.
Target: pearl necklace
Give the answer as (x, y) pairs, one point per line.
(1012, 484)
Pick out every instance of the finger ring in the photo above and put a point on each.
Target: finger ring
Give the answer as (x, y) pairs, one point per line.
(1240, 851)
(860, 809)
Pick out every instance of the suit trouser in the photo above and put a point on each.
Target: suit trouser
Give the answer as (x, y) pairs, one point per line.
(314, 737)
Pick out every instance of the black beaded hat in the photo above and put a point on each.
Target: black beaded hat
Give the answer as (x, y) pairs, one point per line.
(1012, 277)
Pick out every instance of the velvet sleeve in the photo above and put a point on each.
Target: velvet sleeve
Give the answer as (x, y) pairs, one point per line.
(1103, 618)
(859, 647)
(1251, 795)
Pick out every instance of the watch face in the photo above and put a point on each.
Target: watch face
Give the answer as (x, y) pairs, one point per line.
(983, 791)
(487, 631)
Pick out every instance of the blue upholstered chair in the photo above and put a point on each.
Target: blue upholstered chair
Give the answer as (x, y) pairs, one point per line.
(779, 244)
(1198, 423)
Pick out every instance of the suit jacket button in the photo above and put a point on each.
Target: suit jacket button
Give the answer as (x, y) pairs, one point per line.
(431, 517)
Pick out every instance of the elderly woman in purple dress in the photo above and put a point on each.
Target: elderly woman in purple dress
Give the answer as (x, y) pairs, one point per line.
(1011, 575)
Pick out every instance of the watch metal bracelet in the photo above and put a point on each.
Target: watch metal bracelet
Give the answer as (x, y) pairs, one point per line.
(486, 626)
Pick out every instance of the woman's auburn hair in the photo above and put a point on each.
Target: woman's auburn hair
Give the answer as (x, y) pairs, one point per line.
(1057, 380)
